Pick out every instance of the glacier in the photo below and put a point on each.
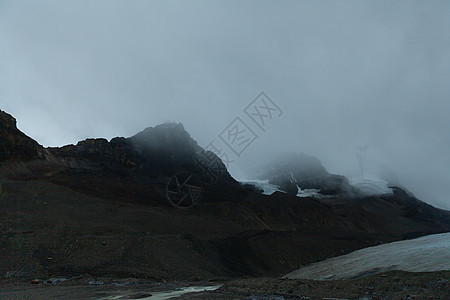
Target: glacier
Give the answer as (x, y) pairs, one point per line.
(425, 254)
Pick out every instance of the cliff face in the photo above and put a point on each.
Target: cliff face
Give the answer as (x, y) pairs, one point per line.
(14, 145)
(161, 149)
(134, 169)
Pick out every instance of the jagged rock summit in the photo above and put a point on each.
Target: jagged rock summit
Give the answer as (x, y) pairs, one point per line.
(133, 169)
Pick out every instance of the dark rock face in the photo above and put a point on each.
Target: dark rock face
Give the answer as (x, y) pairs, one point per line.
(134, 169)
(306, 172)
(418, 210)
(14, 145)
(98, 153)
(165, 144)
(166, 149)
(161, 150)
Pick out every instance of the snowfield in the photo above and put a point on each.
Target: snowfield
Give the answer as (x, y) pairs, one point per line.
(425, 254)
(269, 189)
(264, 185)
(371, 185)
(309, 193)
(368, 185)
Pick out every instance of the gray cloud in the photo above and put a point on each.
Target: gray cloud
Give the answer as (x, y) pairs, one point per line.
(345, 73)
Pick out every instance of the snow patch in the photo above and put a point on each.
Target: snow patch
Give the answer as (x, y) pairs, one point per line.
(269, 189)
(308, 193)
(264, 185)
(371, 185)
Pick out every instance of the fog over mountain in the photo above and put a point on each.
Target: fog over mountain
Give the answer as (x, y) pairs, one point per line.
(361, 85)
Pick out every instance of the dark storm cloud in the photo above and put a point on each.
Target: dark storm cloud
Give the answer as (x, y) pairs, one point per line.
(345, 73)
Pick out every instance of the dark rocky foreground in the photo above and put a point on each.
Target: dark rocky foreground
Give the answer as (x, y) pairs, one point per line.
(390, 285)
(99, 208)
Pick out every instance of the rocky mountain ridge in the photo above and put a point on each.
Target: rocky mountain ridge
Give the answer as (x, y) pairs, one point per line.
(100, 207)
(134, 169)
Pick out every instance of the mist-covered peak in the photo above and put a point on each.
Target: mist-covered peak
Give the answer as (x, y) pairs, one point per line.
(299, 164)
(294, 172)
(165, 132)
(166, 142)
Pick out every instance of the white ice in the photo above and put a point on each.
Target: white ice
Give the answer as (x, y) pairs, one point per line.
(371, 185)
(268, 189)
(308, 193)
(425, 254)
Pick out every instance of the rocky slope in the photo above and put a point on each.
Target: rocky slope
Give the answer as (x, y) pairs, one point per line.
(100, 207)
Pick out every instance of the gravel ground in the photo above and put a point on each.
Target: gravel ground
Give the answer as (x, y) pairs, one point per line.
(390, 285)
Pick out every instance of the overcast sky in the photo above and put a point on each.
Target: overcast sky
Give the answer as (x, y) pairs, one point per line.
(346, 75)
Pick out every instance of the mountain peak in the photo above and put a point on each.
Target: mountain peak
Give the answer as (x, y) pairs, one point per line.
(166, 140)
(7, 121)
(14, 144)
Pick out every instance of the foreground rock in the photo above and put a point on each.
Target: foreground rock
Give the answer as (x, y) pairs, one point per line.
(391, 285)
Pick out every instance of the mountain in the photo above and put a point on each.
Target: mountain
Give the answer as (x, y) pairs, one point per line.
(135, 169)
(297, 170)
(101, 207)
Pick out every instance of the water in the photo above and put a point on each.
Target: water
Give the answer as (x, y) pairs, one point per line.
(167, 294)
